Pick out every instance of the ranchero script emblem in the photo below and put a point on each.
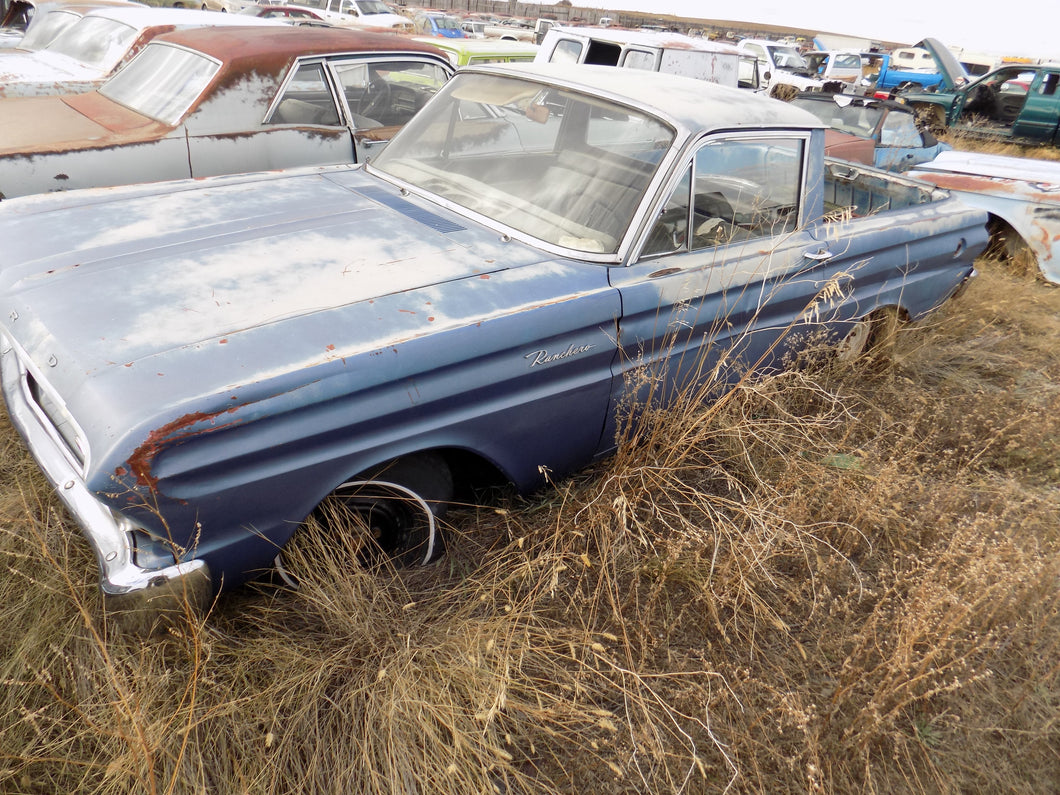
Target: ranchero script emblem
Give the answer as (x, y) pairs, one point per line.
(544, 357)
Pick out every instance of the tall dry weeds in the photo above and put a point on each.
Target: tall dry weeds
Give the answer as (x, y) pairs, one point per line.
(837, 579)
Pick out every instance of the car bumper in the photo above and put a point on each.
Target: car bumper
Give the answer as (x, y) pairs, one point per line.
(126, 585)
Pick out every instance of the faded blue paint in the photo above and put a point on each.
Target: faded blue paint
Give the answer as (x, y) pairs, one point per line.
(234, 348)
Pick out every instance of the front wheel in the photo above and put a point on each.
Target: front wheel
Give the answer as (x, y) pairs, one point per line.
(387, 514)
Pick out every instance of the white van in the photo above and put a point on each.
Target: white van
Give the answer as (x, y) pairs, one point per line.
(638, 49)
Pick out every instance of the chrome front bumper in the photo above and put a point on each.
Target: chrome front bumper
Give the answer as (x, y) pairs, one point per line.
(126, 585)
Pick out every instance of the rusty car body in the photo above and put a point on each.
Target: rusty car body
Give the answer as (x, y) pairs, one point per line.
(1021, 194)
(198, 365)
(221, 100)
(29, 25)
(877, 132)
(96, 46)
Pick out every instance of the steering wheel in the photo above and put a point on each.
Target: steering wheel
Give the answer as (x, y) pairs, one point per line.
(375, 100)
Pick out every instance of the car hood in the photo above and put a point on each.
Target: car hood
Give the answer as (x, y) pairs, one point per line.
(1043, 174)
(322, 263)
(953, 74)
(42, 72)
(69, 122)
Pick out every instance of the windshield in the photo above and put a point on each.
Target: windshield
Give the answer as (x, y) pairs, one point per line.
(369, 7)
(559, 166)
(856, 119)
(787, 58)
(42, 31)
(95, 41)
(161, 82)
(447, 23)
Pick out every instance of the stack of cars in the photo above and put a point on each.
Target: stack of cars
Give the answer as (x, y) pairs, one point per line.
(95, 47)
(220, 100)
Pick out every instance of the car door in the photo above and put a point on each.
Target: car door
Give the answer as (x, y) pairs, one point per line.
(380, 95)
(304, 125)
(725, 275)
(1040, 114)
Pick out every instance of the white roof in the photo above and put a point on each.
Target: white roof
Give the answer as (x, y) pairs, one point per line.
(695, 104)
(646, 38)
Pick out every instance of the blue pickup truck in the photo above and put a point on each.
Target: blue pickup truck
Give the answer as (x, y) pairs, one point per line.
(199, 366)
(945, 73)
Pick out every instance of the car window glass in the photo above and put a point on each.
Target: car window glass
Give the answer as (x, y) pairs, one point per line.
(744, 189)
(162, 82)
(669, 235)
(639, 59)
(899, 129)
(387, 93)
(492, 144)
(95, 41)
(1049, 84)
(42, 31)
(566, 51)
(306, 99)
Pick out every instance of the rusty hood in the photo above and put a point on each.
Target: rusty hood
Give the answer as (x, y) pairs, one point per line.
(34, 125)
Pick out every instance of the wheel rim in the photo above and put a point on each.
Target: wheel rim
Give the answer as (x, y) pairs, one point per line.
(855, 342)
(388, 514)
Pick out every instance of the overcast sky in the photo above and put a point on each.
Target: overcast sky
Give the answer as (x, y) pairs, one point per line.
(1024, 28)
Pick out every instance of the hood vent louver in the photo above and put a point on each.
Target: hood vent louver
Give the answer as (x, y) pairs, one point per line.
(407, 208)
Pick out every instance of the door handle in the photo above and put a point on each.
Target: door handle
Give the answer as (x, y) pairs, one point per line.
(820, 255)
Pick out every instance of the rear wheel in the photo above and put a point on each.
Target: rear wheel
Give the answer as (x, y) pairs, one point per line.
(872, 337)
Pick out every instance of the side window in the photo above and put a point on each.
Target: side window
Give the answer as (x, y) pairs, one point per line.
(639, 59)
(566, 51)
(1049, 84)
(899, 129)
(744, 189)
(306, 99)
(670, 233)
(387, 94)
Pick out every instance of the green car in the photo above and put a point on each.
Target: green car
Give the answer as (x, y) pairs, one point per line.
(1016, 102)
(462, 52)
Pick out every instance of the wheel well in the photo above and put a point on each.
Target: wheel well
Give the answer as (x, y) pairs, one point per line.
(1009, 246)
(469, 470)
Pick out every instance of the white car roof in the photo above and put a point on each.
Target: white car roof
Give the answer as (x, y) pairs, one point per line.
(696, 104)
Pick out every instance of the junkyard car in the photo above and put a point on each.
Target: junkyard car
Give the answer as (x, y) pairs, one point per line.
(85, 54)
(291, 14)
(198, 365)
(360, 14)
(1020, 103)
(892, 139)
(436, 24)
(465, 52)
(1021, 194)
(31, 26)
(212, 101)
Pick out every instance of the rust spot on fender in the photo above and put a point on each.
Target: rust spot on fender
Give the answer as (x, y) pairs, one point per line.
(141, 461)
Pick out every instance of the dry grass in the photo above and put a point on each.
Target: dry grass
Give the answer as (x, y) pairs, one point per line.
(840, 579)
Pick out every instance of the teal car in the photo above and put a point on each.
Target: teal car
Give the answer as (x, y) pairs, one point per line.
(1016, 102)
